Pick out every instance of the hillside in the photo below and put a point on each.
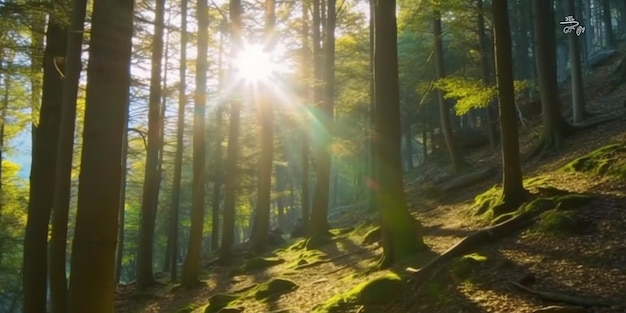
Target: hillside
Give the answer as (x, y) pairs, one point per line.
(572, 259)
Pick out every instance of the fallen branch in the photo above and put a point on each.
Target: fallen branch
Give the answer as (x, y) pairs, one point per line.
(560, 297)
(471, 243)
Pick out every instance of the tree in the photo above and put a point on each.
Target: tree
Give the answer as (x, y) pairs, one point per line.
(486, 52)
(151, 186)
(191, 267)
(172, 238)
(304, 148)
(232, 151)
(578, 91)
(606, 20)
(260, 231)
(399, 230)
(43, 167)
(62, 190)
(444, 114)
(108, 83)
(513, 192)
(319, 213)
(554, 125)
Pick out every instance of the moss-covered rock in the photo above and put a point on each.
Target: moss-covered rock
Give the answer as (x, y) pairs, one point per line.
(274, 288)
(219, 301)
(559, 222)
(379, 291)
(463, 267)
(607, 160)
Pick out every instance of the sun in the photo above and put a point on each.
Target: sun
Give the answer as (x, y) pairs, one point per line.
(253, 64)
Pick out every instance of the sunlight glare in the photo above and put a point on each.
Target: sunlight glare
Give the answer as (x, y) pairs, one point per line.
(254, 65)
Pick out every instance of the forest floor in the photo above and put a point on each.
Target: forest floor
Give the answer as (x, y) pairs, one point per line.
(587, 261)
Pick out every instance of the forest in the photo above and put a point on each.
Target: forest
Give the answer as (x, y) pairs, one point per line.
(319, 156)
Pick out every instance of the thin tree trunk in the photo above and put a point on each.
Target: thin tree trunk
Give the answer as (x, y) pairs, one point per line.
(260, 231)
(606, 20)
(191, 266)
(218, 171)
(578, 92)
(310, 95)
(150, 199)
(444, 109)
(231, 180)
(108, 82)
(119, 258)
(319, 217)
(172, 238)
(63, 185)
(43, 168)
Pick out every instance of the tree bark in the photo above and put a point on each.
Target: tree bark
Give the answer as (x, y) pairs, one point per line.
(444, 109)
(606, 20)
(399, 231)
(191, 266)
(65, 152)
(121, 237)
(260, 232)
(43, 168)
(106, 111)
(578, 91)
(555, 126)
(232, 151)
(513, 192)
(151, 186)
(319, 215)
(172, 238)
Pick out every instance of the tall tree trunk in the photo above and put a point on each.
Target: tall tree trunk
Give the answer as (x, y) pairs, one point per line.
(309, 95)
(172, 238)
(38, 31)
(606, 20)
(150, 199)
(232, 151)
(399, 230)
(260, 231)
(43, 167)
(218, 159)
(119, 254)
(319, 215)
(371, 166)
(100, 181)
(191, 266)
(65, 152)
(3, 116)
(444, 109)
(578, 92)
(513, 192)
(555, 126)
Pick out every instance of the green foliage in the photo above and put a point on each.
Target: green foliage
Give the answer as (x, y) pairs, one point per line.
(463, 267)
(274, 288)
(471, 93)
(560, 222)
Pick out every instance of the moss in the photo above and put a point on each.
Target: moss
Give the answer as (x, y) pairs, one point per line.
(341, 231)
(463, 267)
(572, 201)
(274, 288)
(219, 301)
(603, 161)
(503, 218)
(229, 309)
(379, 291)
(298, 245)
(538, 205)
(558, 223)
(188, 308)
(487, 200)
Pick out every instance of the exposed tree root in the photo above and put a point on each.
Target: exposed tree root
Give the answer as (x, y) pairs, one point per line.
(561, 297)
(470, 243)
